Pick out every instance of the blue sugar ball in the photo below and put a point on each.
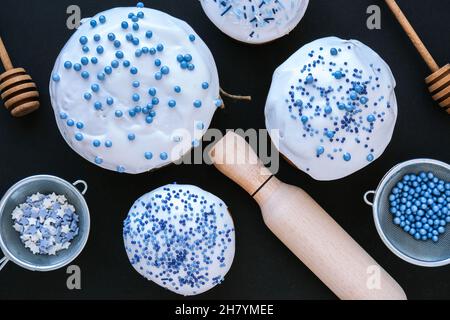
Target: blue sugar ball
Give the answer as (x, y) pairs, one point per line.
(172, 103)
(309, 79)
(353, 95)
(320, 150)
(163, 156)
(115, 64)
(371, 118)
(157, 62)
(135, 41)
(85, 49)
(218, 103)
(363, 100)
(149, 119)
(67, 64)
(131, 136)
(333, 51)
(148, 155)
(102, 19)
(155, 101)
(149, 34)
(140, 5)
(95, 87)
(183, 65)
(63, 115)
(160, 47)
(108, 70)
(197, 103)
(135, 18)
(94, 60)
(101, 76)
(191, 66)
(328, 109)
(108, 143)
(158, 75)
(145, 50)
(109, 101)
(111, 36)
(83, 40)
(134, 70)
(136, 97)
(98, 105)
(165, 70)
(85, 74)
(338, 75)
(304, 119)
(138, 53)
(80, 125)
(70, 123)
(98, 160)
(87, 96)
(119, 55)
(192, 37)
(180, 58)
(152, 51)
(96, 143)
(187, 57)
(205, 85)
(117, 43)
(84, 61)
(140, 15)
(124, 25)
(347, 157)
(136, 84)
(132, 113)
(79, 137)
(370, 157)
(177, 89)
(152, 92)
(118, 113)
(97, 38)
(135, 26)
(100, 50)
(56, 77)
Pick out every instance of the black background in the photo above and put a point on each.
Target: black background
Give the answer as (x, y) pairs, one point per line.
(35, 31)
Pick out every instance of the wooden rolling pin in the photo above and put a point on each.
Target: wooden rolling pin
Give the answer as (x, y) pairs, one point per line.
(18, 91)
(304, 227)
(439, 81)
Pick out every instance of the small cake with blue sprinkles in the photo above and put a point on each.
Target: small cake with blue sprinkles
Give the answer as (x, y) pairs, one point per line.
(332, 109)
(255, 21)
(134, 89)
(180, 237)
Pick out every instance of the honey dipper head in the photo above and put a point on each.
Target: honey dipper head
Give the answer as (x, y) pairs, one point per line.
(439, 86)
(18, 92)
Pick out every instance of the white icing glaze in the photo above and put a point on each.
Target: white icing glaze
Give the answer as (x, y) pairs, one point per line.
(173, 130)
(180, 237)
(311, 133)
(255, 21)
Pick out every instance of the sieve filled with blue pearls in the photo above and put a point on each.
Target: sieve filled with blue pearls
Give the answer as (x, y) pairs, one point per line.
(411, 210)
(11, 245)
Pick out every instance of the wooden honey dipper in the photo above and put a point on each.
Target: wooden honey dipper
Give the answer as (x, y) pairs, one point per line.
(18, 91)
(304, 227)
(439, 81)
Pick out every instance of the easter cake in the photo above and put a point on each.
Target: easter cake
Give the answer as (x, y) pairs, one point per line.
(255, 21)
(134, 89)
(180, 237)
(331, 108)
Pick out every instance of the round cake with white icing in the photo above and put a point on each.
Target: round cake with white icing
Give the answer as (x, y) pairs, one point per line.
(255, 21)
(134, 89)
(332, 108)
(180, 237)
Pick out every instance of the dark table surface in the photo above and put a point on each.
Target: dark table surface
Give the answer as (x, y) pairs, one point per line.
(35, 31)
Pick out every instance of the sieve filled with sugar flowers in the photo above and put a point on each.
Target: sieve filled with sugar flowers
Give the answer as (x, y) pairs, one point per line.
(411, 210)
(44, 223)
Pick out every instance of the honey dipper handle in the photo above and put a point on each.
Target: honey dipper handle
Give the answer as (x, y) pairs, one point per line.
(411, 33)
(7, 64)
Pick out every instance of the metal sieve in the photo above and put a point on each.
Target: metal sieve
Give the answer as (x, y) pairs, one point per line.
(418, 252)
(10, 243)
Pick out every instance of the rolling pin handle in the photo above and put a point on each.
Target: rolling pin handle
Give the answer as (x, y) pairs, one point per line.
(366, 197)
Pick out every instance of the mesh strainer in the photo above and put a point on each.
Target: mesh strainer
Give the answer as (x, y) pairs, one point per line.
(422, 253)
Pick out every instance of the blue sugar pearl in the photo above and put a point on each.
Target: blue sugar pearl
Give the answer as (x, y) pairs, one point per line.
(333, 51)
(309, 79)
(177, 89)
(67, 64)
(56, 77)
(136, 97)
(135, 26)
(197, 103)
(137, 109)
(118, 113)
(157, 62)
(85, 74)
(149, 34)
(96, 143)
(98, 160)
(183, 65)
(120, 169)
(129, 37)
(134, 70)
(124, 25)
(187, 58)
(135, 18)
(152, 51)
(135, 41)
(109, 101)
(117, 44)
(320, 150)
(328, 109)
(98, 105)
(359, 88)
(93, 23)
(363, 100)
(100, 50)
(149, 119)
(119, 55)
(353, 95)
(80, 125)
(370, 157)
(83, 40)
(79, 137)
(200, 126)
(338, 75)
(115, 64)
(85, 49)
(152, 113)
(102, 19)
(136, 84)
(163, 156)
(330, 134)
(191, 66)
(132, 113)
(131, 136)
(111, 36)
(205, 85)
(180, 58)
(218, 103)
(140, 15)
(95, 87)
(108, 143)
(148, 155)
(138, 53)
(155, 101)
(84, 61)
(172, 103)
(63, 115)
(347, 156)
(371, 118)
(108, 70)
(101, 76)
(87, 96)
(126, 63)
(304, 119)
(160, 47)
(94, 60)
(145, 50)
(70, 123)
(192, 37)
(152, 92)
(140, 5)
(158, 75)
(165, 70)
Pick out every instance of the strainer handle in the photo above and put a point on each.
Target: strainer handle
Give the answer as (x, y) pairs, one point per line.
(366, 197)
(3, 262)
(84, 184)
